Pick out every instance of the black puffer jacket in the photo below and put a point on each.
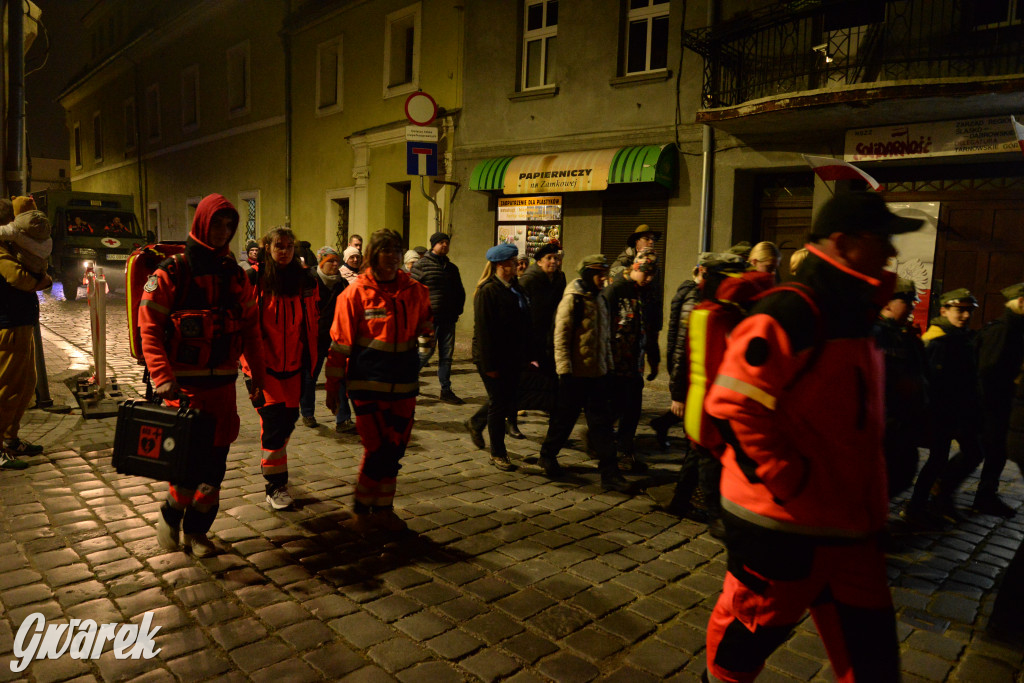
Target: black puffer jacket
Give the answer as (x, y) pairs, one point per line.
(328, 298)
(686, 297)
(441, 277)
(545, 293)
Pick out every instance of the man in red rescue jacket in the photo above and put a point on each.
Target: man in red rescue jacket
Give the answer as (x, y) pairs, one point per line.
(196, 317)
(799, 401)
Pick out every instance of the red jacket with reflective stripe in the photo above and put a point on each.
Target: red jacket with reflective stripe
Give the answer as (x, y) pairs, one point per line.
(799, 399)
(184, 335)
(374, 338)
(289, 323)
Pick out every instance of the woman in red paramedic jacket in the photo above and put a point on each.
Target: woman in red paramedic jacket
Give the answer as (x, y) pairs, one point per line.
(287, 299)
(196, 316)
(377, 320)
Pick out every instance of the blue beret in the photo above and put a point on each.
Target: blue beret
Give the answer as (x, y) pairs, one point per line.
(502, 252)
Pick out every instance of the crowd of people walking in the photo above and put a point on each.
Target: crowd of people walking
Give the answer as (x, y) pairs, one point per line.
(803, 403)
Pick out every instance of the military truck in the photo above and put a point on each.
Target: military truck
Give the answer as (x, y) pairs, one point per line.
(90, 230)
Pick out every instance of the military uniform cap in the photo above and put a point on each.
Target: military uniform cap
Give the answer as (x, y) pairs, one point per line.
(740, 249)
(1013, 291)
(860, 212)
(958, 297)
(905, 290)
(642, 230)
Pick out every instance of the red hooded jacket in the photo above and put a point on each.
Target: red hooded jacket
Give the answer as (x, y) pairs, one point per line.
(799, 399)
(289, 323)
(196, 315)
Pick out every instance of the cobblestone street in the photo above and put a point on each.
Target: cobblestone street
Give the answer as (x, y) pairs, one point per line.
(505, 576)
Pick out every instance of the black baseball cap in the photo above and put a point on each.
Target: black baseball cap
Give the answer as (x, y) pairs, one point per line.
(853, 212)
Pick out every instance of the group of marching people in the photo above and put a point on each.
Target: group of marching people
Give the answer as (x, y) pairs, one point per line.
(202, 317)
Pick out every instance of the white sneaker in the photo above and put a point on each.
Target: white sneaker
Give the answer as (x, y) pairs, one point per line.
(200, 544)
(279, 499)
(166, 535)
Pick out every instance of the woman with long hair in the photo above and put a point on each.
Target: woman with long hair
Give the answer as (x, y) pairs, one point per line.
(287, 299)
(377, 321)
(501, 345)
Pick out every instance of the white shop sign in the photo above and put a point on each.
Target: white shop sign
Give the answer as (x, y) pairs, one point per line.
(986, 135)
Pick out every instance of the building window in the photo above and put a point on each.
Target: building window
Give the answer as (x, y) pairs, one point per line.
(238, 79)
(153, 218)
(248, 209)
(97, 137)
(78, 145)
(646, 35)
(540, 29)
(191, 204)
(131, 139)
(402, 51)
(328, 77)
(153, 112)
(995, 13)
(190, 98)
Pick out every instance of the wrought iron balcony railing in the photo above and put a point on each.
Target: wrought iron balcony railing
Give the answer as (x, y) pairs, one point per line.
(805, 45)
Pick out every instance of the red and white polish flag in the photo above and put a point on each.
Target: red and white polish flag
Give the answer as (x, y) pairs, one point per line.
(1018, 130)
(828, 168)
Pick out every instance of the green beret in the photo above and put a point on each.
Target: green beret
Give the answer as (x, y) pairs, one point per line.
(961, 297)
(1013, 291)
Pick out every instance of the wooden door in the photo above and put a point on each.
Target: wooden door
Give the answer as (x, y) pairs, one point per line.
(980, 246)
(786, 221)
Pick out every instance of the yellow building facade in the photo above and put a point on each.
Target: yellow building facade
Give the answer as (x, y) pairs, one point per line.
(294, 111)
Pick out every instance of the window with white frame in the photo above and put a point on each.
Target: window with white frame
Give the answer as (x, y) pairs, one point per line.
(329, 77)
(238, 79)
(97, 137)
(540, 29)
(646, 35)
(402, 51)
(78, 145)
(131, 139)
(153, 112)
(249, 214)
(190, 98)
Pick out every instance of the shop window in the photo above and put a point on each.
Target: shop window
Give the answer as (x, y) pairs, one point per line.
(402, 51)
(328, 77)
(190, 98)
(238, 79)
(78, 145)
(153, 112)
(97, 137)
(646, 35)
(540, 31)
(131, 138)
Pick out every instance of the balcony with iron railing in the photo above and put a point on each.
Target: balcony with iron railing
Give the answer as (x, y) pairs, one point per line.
(816, 53)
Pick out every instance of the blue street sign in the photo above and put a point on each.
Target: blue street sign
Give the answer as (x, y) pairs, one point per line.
(421, 158)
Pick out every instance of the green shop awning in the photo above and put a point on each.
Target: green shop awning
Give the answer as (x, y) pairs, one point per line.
(578, 171)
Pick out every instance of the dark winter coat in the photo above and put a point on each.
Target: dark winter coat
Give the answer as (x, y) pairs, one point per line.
(953, 375)
(1000, 347)
(686, 297)
(544, 294)
(328, 297)
(906, 375)
(442, 279)
(501, 327)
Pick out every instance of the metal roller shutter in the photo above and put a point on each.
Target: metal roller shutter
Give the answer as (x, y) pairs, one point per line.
(623, 212)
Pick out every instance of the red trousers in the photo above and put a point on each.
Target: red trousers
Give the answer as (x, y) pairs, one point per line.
(384, 428)
(774, 578)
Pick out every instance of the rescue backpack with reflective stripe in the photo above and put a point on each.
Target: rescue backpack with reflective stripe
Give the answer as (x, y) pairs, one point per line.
(142, 263)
